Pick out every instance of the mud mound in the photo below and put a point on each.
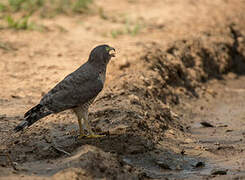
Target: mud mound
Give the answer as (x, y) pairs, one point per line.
(87, 158)
(182, 67)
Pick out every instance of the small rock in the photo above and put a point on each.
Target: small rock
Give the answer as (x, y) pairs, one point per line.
(199, 164)
(163, 165)
(15, 96)
(206, 124)
(188, 140)
(224, 125)
(134, 99)
(120, 129)
(229, 130)
(171, 131)
(16, 141)
(219, 171)
(182, 152)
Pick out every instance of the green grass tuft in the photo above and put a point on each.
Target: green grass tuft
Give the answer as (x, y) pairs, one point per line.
(46, 8)
(81, 6)
(2, 7)
(22, 23)
(116, 32)
(129, 28)
(102, 14)
(43, 8)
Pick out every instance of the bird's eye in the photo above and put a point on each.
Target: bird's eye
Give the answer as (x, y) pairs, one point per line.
(107, 49)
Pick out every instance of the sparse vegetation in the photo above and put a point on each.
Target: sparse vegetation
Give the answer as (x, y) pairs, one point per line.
(2, 7)
(80, 6)
(7, 46)
(133, 30)
(45, 8)
(129, 28)
(116, 32)
(102, 13)
(22, 23)
(16, 13)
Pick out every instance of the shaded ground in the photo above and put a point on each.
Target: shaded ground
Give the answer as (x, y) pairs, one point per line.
(222, 145)
(179, 70)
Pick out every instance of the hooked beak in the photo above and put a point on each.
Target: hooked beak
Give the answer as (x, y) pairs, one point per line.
(112, 51)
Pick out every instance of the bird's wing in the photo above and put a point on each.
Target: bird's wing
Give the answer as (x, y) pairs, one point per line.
(77, 88)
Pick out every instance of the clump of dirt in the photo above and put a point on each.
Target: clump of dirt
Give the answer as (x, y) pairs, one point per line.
(87, 158)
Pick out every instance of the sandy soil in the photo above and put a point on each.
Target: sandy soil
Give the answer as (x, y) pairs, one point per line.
(183, 71)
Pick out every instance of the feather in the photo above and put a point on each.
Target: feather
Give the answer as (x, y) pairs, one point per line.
(31, 116)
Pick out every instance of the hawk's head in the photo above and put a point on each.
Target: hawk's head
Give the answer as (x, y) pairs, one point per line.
(101, 54)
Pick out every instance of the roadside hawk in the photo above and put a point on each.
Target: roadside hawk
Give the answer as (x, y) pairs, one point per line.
(76, 91)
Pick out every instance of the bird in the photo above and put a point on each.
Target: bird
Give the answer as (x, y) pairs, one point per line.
(76, 91)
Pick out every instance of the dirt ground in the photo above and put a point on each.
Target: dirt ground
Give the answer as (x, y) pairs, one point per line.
(172, 106)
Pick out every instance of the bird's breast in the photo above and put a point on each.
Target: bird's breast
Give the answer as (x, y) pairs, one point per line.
(102, 77)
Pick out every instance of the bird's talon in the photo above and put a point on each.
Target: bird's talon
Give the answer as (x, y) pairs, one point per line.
(95, 136)
(90, 136)
(81, 136)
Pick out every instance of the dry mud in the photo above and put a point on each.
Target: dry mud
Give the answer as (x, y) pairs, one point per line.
(181, 71)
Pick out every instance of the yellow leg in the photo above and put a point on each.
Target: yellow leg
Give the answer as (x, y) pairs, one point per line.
(91, 133)
(95, 136)
(82, 116)
(81, 131)
(79, 115)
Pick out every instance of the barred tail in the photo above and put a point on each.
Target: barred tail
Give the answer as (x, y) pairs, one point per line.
(31, 116)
